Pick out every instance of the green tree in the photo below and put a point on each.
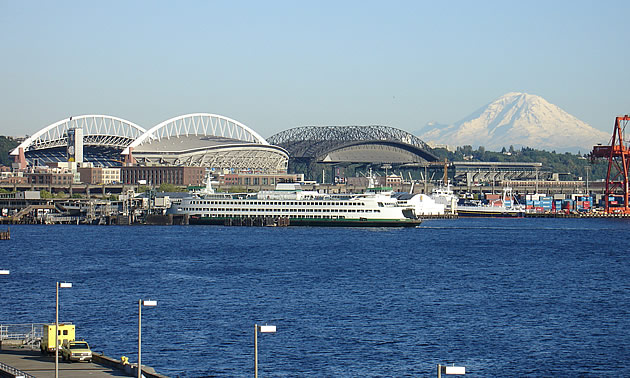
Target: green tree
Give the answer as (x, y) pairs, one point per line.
(45, 194)
(6, 146)
(166, 187)
(237, 189)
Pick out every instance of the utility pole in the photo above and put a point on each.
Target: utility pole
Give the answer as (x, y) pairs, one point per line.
(588, 168)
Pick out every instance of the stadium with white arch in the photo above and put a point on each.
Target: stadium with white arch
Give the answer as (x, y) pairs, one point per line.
(200, 139)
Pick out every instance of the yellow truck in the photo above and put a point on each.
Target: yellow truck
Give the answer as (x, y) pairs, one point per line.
(66, 332)
(76, 351)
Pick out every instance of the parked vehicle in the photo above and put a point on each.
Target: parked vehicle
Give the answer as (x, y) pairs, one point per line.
(66, 332)
(76, 351)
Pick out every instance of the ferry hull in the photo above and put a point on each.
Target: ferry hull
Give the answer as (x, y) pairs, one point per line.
(307, 222)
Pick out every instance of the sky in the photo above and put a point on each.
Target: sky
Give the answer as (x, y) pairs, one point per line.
(275, 65)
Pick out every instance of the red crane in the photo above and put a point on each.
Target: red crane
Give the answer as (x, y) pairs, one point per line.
(618, 155)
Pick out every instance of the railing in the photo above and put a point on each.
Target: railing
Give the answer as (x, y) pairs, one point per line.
(29, 333)
(14, 372)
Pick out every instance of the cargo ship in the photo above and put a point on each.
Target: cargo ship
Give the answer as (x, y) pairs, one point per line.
(289, 205)
(505, 207)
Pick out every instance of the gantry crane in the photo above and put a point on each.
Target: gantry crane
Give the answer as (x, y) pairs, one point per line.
(618, 155)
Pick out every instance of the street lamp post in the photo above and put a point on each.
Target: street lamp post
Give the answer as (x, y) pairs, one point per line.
(62, 285)
(140, 304)
(261, 329)
(3, 272)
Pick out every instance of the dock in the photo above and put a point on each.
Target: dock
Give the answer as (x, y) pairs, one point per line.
(19, 361)
(16, 361)
(578, 215)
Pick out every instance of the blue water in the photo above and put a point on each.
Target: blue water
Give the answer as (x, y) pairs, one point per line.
(502, 297)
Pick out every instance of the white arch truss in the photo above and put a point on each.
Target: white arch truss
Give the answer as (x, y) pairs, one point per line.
(202, 124)
(98, 130)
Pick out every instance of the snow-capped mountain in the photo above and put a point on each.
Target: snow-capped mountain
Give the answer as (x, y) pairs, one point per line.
(518, 119)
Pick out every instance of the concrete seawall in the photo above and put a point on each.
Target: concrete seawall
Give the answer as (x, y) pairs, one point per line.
(129, 369)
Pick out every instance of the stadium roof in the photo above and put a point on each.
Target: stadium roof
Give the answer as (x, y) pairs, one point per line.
(358, 144)
(200, 139)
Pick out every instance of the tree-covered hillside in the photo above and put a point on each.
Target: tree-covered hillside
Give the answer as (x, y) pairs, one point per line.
(6, 146)
(574, 165)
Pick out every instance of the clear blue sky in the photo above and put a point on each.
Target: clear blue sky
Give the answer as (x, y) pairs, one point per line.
(274, 65)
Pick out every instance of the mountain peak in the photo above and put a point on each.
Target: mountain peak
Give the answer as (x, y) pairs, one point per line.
(518, 119)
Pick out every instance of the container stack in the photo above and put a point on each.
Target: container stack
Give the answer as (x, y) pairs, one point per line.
(546, 203)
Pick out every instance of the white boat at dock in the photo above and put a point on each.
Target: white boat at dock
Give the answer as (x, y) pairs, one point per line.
(444, 195)
(504, 207)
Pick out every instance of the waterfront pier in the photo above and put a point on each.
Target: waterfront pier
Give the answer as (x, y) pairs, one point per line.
(19, 360)
(16, 361)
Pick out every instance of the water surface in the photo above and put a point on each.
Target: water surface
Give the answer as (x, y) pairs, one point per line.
(532, 297)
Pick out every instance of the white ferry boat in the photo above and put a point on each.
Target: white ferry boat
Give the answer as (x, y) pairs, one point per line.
(288, 204)
(444, 195)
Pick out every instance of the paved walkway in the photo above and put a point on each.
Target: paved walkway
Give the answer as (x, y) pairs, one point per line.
(38, 365)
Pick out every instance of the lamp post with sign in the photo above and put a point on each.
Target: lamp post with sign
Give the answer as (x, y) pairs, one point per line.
(140, 304)
(59, 285)
(261, 329)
